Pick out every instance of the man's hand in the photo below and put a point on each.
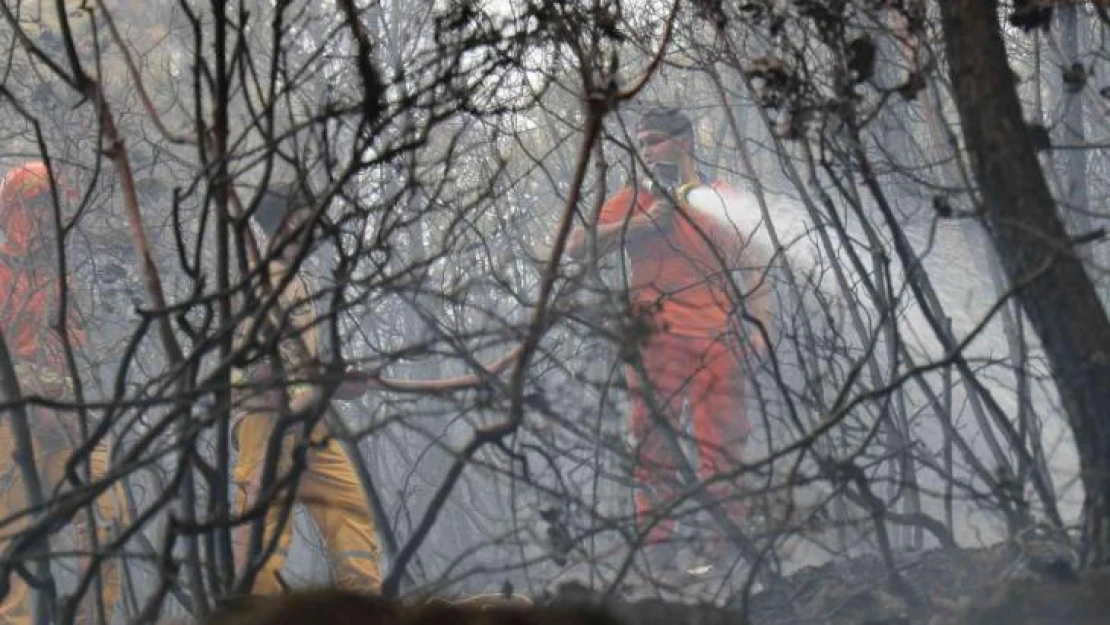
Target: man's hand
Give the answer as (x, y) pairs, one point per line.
(662, 211)
(354, 385)
(261, 376)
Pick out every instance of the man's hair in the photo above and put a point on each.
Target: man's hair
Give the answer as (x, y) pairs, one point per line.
(277, 203)
(669, 121)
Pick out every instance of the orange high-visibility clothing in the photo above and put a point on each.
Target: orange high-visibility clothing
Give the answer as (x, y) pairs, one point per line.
(707, 374)
(31, 291)
(28, 282)
(680, 278)
(678, 281)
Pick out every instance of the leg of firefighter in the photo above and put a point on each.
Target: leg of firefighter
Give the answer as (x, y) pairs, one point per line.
(335, 498)
(16, 606)
(720, 423)
(110, 509)
(51, 453)
(656, 472)
(252, 437)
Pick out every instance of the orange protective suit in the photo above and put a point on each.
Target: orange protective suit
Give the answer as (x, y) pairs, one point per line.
(28, 270)
(692, 356)
(30, 300)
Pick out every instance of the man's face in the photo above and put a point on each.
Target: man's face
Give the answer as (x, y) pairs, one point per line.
(659, 147)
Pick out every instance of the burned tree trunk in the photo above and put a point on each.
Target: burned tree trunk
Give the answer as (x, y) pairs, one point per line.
(1033, 247)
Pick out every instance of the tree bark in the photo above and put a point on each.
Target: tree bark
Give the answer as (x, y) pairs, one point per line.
(1034, 249)
(1075, 192)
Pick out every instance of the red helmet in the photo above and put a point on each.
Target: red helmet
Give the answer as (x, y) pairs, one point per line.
(25, 182)
(20, 221)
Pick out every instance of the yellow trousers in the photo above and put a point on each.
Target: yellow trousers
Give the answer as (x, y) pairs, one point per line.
(330, 490)
(16, 607)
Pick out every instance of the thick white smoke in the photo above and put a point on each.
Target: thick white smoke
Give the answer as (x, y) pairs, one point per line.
(783, 220)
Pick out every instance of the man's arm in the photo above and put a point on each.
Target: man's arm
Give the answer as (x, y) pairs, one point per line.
(642, 226)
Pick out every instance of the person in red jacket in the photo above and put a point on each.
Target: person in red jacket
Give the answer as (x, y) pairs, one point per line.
(693, 281)
(28, 309)
(28, 270)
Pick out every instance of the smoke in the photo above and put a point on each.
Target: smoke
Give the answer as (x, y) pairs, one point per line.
(781, 234)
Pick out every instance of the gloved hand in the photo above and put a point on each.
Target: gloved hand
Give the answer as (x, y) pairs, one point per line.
(43, 381)
(354, 385)
(665, 177)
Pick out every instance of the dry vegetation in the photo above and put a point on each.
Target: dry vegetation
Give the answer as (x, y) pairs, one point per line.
(931, 442)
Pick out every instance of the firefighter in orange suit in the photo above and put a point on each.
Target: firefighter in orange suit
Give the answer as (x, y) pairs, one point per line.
(685, 266)
(31, 288)
(328, 485)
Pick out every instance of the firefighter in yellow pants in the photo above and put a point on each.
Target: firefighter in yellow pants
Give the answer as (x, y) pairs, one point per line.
(328, 485)
(330, 489)
(52, 450)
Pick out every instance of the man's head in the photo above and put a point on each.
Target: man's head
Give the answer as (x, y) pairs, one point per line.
(664, 135)
(26, 206)
(25, 182)
(665, 138)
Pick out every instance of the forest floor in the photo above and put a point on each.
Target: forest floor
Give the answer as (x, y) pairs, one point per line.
(938, 587)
